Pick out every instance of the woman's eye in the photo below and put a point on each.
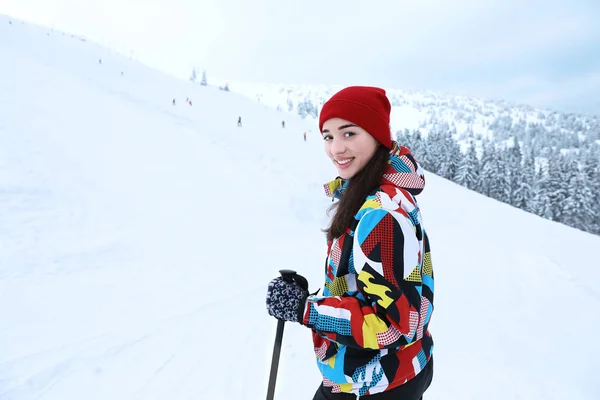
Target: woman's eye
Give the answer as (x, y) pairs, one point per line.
(327, 137)
(348, 134)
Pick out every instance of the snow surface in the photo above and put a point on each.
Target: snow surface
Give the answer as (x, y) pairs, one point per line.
(137, 239)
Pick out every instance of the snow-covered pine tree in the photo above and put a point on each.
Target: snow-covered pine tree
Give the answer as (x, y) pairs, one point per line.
(500, 184)
(468, 170)
(514, 169)
(450, 155)
(418, 146)
(578, 210)
(541, 200)
(523, 195)
(591, 169)
(486, 168)
(434, 144)
(306, 108)
(556, 189)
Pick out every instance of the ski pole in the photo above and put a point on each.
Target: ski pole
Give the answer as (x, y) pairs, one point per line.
(288, 276)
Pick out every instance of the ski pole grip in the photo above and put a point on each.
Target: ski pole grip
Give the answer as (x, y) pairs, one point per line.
(287, 274)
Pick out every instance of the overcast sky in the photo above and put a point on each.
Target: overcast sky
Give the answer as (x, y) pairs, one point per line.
(544, 53)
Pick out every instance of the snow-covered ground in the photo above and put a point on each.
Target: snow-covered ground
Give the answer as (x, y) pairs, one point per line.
(137, 239)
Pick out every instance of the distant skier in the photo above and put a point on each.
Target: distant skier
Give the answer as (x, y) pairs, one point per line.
(100, 61)
(173, 101)
(283, 124)
(239, 121)
(190, 101)
(305, 136)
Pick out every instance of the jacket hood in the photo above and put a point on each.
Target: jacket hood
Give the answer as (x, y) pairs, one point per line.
(402, 171)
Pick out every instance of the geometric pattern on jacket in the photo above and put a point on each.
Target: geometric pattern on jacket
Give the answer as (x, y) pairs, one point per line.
(370, 325)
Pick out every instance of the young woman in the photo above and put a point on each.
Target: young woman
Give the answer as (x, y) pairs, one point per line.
(370, 325)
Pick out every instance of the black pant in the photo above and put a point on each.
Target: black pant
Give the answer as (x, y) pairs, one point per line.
(411, 390)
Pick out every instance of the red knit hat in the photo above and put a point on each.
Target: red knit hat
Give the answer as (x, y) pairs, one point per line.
(365, 106)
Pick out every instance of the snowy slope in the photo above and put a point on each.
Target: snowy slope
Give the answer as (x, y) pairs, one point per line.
(424, 110)
(137, 239)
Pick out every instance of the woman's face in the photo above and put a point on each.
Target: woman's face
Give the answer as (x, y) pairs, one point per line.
(349, 146)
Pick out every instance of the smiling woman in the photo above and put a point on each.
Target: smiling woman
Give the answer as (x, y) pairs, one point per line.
(349, 146)
(370, 324)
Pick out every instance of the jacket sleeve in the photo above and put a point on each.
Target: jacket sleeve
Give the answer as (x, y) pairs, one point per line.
(385, 309)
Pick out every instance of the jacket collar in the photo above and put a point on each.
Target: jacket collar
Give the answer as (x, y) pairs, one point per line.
(402, 171)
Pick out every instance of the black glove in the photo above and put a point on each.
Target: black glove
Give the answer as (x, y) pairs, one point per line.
(286, 300)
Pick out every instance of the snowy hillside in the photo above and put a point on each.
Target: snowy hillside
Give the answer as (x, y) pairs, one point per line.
(423, 110)
(544, 162)
(137, 238)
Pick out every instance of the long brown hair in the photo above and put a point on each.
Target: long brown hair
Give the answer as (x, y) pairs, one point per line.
(359, 187)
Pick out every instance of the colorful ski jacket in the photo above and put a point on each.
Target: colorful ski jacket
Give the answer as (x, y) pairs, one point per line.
(370, 325)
